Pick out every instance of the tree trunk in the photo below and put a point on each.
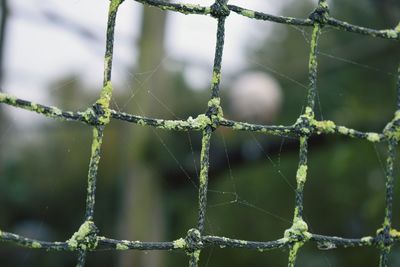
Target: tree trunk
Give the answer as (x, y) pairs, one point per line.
(141, 211)
(3, 26)
(3, 119)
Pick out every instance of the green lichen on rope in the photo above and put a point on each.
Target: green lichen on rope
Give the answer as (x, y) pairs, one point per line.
(123, 245)
(36, 245)
(105, 95)
(321, 127)
(180, 243)
(397, 29)
(194, 7)
(297, 236)
(120, 246)
(85, 238)
(347, 131)
(323, 4)
(373, 137)
(204, 158)
(104, 102)
(309, 113)
(392, 130)
(299, 228)
(96, 143)
(312, 61)
(279, 130)
(8, 99)
(394, 233)
(114, 4)
(216, 78)
(304, 122)
(301, 174)
(392, 34)
(178, 7)
(240, 126)
(312, 67)
(217, 114)
(243, 242)
(200, 122)
(48, 111)
(386, 223)
(92, 172)
(107, 64)
(382, 234)
(368, 240)
(88, 115)
(248, 13)
(324, 126)
(195, 255)
(342, 130)
(203, 181)
(293, 253)
(141, 122)
(187, 9)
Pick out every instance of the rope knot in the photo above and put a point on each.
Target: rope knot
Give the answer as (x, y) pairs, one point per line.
(97, 115)
(298, 232)
(392, 129)
(383, 238)
(220, 9)
(100, 113)
(193, 241)
(305, 125)
(85, 238)
(215, 112)
(321, 14)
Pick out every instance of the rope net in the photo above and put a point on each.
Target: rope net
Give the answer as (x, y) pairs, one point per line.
(86, 238)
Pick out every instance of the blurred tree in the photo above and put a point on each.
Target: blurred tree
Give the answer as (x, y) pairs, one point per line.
(141, 216)
(3, 26)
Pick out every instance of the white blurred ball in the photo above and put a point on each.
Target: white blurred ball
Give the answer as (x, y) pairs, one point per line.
(255, 97)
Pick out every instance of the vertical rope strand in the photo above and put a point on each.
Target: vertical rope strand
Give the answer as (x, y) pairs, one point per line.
(301, 177)
(81, 258)
(214, 112)
(203, 185)
(298, 233)
(398, 88)
(92, 175)
(101, 110)
(385, 242)
(112, 14)
(216, 78)
(102, 114)
(313, 67)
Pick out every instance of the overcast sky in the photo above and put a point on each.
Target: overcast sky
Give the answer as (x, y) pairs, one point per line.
(40, 50)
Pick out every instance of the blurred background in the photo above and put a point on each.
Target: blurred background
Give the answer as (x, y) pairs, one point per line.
(52, 53)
